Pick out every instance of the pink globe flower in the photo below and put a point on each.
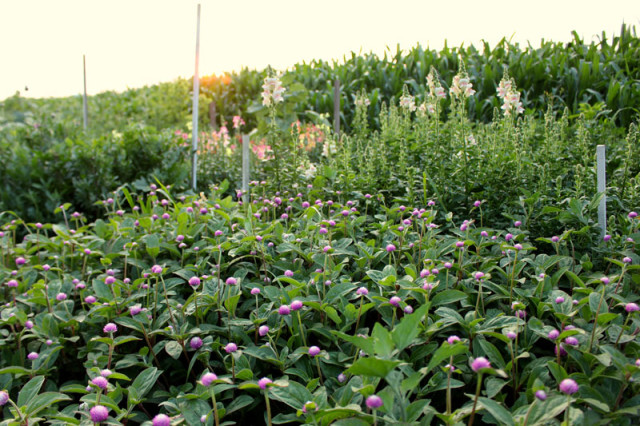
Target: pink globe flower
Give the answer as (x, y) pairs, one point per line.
(231, 347)
(480, 363)
(195, 343)
(395, 301)
(32, 356)
(288, 273)
(100, 382)
(362, 291)
(194, 281)
(631, 307)
(255, 291)
(284, 310)
(99, 413)
(4, 397)
(313, 351)
(208, 378)
(541, 395)
(161, 420)
(453, 340)
(568, 386)
(231, 281)
(390, 248)
(374, 402)
(262, 383)
(110, 328)
(263, 330)
(156, 269)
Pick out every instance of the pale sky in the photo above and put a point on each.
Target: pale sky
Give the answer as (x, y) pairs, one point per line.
(132, 43)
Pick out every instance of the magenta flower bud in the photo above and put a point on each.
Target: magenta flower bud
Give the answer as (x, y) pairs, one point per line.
(195, 343)
(105, 373)
(255, 291)
(477, 203)
(305, 204)
(231, 347)
(156, 269)
(4, 397)
(604, 280)
(203, 210)
(459, 244)
(313, 351)
(110, 328)
(484, 233)
(408, 309)
(342, 378)
(263, 330)
(480, 363)
(288, 273)
(161, 420)
(508, 237)
(262, 383)
(99, 413)
(135, 310)
(606, 237)
(32, 356)
(633, 215)
(559, 300)
(517, 247)
(12, 283)
(521, 314)
(555, 239)
(87, 252)
(568, 386)
(109, 280)
(395, 301)
(511, 335)
(448, 265)
(638, 362)
(326, 249)
(231, 281)
(194, 281)
(631, 307)
(553, 334)
(374, 402)
(46, 267)
(20, 261)
(517, 223)
(626, 260)
(100, 382)
(180, 238)
(296, 305)
(208, 378)
(478, 276)
(90, 300)
(390, 248)
(28, 324)
(424, 273)
(61, 296)
(453, 339)
(571, 341)
(284, 216)
(284, 310)
(362, 291)
(541, 395)
(427, 286)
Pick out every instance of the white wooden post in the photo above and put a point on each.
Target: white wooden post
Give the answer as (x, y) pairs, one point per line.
(196, 93)
(246, 164)
(85, 107)
(602, 187)
(336, 107)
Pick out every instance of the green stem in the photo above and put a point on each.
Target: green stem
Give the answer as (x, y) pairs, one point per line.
(526, 417)
(215, 406)
(475, 400)
(595, 321)
(266, 400)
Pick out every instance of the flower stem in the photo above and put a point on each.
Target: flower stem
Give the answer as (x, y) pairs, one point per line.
(595, 320)
(475, 400)
(215, 406)
(266, 400)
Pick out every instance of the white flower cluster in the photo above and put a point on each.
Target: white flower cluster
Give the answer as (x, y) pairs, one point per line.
(408, 102)
(510, 97)
(362, 101)
(308, 169)
(436, 93)
(461, 86)
(272, 91)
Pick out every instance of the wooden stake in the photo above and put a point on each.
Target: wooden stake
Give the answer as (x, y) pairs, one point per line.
(196, 93)
(85, 106)
(602, 187)
(246, 165)
(336, 107)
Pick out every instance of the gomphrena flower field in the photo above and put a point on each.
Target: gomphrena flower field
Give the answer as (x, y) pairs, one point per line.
(424, 265)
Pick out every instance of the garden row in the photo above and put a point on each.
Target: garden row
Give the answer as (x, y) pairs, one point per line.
(312, 306)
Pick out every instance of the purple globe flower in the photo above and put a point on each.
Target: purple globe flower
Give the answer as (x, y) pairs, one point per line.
(100, 382)
(161, 420)
(453, 339)
(28, 324)
(135, 310)
(296, 305)
(448, 265)
(517, 247)
(284, 310)
(571, 341)
(342, 378)
(626, 259)
(110, 328)
(478, 276)
(12, 283)
(208, 378)
(568, 386)
(408, 309)
(195, 343)
(262, 383)
(477, 203)
(374, 402)
(313, 351)
(288, 273)
(255, 291)
(61, 296)
(32, 356)
(559, 300)
(156, 269)
(395, 300)
(607, 237)
(194, 281)
(511, 335)
(605, 280)
(480, 363)
(541, 395)
(99, 413)
(631, 307)
(231, 281)
(517, 223)
(263, 330)
(231, 347)
(4, 397)
(109, 280)
(105, 373)
(362, 291)
(390, 248)
(20, 261)
(508, 237)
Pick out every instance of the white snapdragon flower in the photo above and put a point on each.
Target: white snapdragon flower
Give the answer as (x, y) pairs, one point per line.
(408, 102)
(272, 91)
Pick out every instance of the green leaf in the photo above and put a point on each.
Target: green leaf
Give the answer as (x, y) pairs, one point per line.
(382, 340)
(408, 329)
(295, 395)
(145, 381)
(361, 342)
(174, 349)
(375, 367)
(497, 411)
(445, 351)
(152, 245)
(44, 400)
(448, 296)
(30, 390)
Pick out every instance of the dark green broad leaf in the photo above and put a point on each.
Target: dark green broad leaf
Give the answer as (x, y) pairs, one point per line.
(30, 390)
(374, 367)
(145, 381)
(295, 395)
(496, 410)
(407, 330)
(448, 296)
(174, 349)
(44, 400)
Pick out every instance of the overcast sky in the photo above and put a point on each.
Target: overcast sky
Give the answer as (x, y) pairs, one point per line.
(132, 43)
